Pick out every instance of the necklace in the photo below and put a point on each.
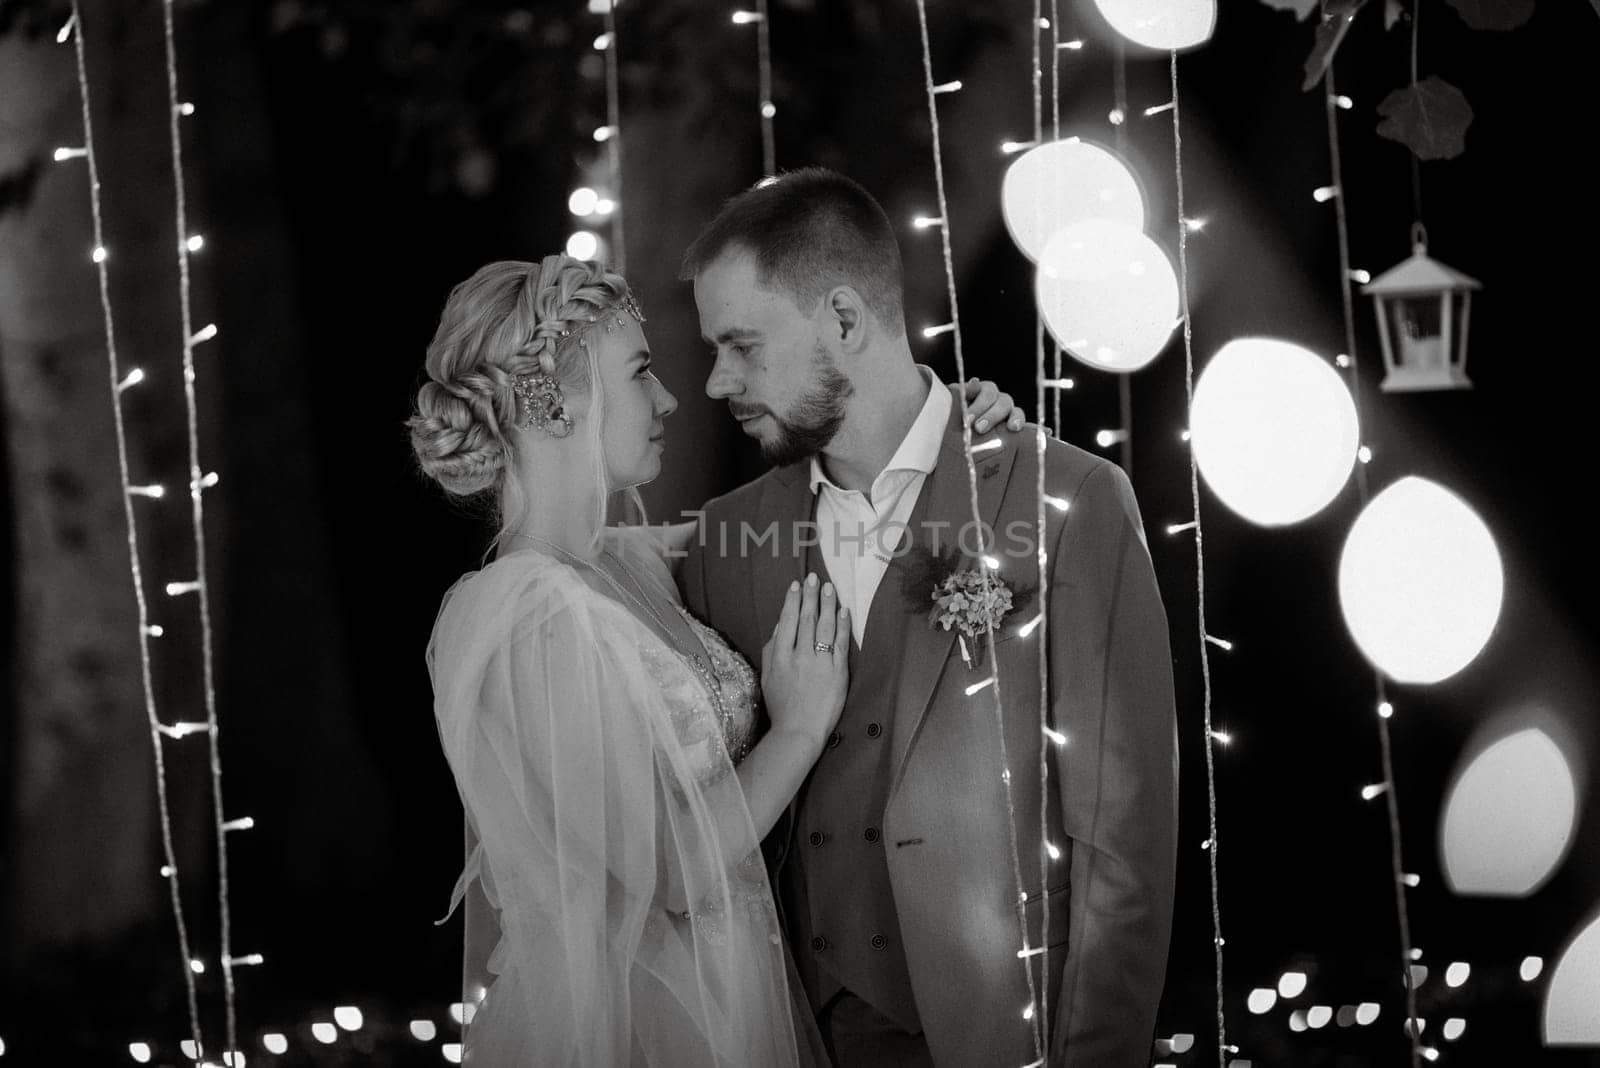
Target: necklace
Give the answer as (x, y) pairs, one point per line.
(700, 663)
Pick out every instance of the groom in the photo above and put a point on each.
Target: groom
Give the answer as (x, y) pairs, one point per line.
(894, 867)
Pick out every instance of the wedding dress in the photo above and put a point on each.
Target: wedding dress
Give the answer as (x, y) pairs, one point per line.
(618, 909)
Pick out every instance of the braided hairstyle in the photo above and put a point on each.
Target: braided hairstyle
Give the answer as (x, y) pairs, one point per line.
(508, 319)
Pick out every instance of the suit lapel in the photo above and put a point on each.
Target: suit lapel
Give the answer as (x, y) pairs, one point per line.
(946, 498)
(787, 501)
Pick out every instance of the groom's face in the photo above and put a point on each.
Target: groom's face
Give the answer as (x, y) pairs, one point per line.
(771, 363)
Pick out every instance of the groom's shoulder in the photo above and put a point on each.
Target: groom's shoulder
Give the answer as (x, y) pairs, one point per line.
(743, 501)
(1066, 466)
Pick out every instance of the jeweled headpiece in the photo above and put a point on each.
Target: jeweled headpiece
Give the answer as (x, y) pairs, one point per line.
(540, 402)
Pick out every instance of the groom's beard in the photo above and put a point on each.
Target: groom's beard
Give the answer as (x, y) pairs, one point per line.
(812, 422)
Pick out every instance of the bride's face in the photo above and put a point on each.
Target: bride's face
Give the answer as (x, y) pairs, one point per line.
(635, 404)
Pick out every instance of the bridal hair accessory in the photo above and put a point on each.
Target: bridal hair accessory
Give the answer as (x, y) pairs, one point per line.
(540, 403)
(610, 322)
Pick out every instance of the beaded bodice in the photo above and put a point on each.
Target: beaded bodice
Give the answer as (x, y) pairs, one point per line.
(712, 696)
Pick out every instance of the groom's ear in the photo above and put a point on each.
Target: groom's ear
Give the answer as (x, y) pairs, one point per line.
(847, 314)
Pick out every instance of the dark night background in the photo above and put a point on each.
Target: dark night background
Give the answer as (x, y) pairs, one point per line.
(350, 160)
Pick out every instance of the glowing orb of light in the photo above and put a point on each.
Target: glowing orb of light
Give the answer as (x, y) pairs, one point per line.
(325, 1032)
(1165, 24)
(1048, 188)
(583, 245)
(1569, 1015)
(348, 1017)
(1262, 998)
(1273, 429)
(1291, 984)
(1420, 582)
(1108, 293)
(275, 1042)
(1509, 817)
(423, 1030)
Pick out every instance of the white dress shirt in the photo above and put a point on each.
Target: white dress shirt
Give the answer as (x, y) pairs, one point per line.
(857, 532)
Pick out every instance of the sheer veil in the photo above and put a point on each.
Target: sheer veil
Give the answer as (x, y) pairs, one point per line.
(618, 910)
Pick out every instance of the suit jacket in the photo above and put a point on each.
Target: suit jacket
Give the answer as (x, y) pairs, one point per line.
(1111, 806)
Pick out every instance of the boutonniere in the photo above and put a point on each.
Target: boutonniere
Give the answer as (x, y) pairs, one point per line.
(971, 603)
(959, 597)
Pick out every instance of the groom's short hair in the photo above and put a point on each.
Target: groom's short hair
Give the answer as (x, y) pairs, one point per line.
(809, 230)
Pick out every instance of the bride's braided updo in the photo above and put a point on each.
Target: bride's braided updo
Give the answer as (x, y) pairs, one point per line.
(510, 318)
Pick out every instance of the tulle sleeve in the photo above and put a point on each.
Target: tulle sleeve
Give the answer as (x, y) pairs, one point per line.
(618, 910)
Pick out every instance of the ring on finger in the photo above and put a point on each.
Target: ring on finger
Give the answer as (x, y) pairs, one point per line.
(822, 647)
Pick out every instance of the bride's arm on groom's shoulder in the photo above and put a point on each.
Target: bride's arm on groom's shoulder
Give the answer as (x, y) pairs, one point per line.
(987, 405)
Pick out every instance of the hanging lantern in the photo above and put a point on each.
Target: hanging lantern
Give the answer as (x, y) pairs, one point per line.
(1423, 309)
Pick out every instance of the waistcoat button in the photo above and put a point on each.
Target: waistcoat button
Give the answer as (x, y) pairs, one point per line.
(871, 834)
(819, 943)
(878, 941)
(817, 838)
(834, 739)
(873, 730)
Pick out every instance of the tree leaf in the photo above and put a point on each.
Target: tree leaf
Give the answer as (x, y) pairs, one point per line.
(1301, 8)
(1430, 118)
(1494, 14)
(1330, 31)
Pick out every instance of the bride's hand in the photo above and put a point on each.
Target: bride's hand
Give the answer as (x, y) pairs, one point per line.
(804, 688)
(988, 405)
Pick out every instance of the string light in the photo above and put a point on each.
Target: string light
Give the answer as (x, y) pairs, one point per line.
(155, 492)
(204, 334)
(947, 87)
(1060, 504)
(758, 18)
(922, 222)
(1360, 276)
(604, 133)
(1158, 109)
(613, 142)
(1199, 552)
(986, 446)
(1037, 1033)
(135, 570)
(99, 254)
(1364, 454)
(935, 331)
(1011, 148)
(195, 243)
(1373, 790)
(243, 823)
(1179, 528)
(1107, 438)
(69, 153)
(180, 730)
(131, 379)
(1221, 643)
(185, 109)
(178, 589)
(1059, 383)
(1073, 45)
(1222, 737)
(249, 960)
(153, 630)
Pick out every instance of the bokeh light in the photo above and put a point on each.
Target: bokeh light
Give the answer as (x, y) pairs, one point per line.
(583, 245)
(1509, 817)
(1165, 24)
(1570, 1016)
(1056, 184)
(1273, 429)
(1108, 294)
(1420, 582)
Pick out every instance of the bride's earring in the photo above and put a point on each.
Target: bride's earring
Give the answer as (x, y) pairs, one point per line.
(541, 404)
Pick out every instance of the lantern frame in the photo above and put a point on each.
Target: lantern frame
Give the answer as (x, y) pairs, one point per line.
(1423, 310)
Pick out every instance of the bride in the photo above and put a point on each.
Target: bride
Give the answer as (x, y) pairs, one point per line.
(616, 777)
